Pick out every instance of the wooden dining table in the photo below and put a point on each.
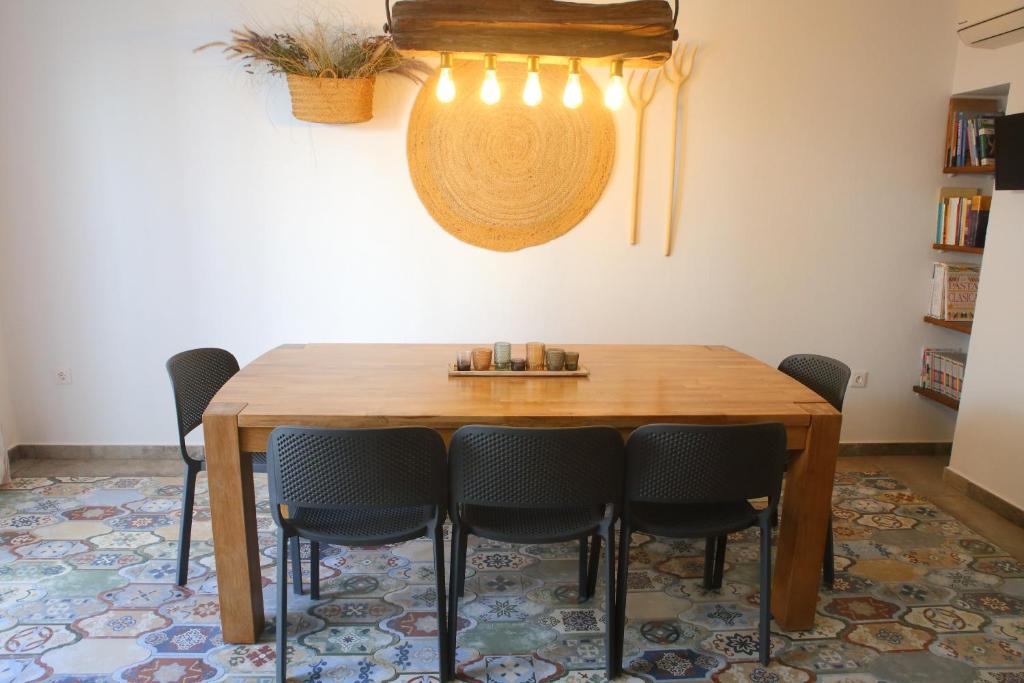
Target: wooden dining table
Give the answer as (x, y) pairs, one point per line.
(391, 385)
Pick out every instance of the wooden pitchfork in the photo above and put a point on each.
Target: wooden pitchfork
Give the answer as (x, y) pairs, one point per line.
(639, 97)
(677, 69)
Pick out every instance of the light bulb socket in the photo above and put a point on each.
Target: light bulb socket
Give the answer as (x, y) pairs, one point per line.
(446, 60)
(533, 64)
(574, 65)
(490, 62)
(617, 68)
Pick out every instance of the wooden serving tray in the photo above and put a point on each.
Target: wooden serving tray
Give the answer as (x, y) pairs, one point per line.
(580, 372)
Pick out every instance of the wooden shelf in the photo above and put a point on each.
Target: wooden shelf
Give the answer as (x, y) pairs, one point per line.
(938, 398)
(961, 249)
(968, 170)
(958, 325)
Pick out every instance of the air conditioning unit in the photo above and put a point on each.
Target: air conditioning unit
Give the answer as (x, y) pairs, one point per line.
(990, 23)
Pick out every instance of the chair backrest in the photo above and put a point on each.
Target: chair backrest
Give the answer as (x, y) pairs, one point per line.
(338, 468)
(196, 376)
(536, 468)
(827, 377)
(705, 464)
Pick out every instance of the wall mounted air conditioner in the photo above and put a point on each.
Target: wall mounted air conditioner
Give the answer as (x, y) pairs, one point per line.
(990, 23)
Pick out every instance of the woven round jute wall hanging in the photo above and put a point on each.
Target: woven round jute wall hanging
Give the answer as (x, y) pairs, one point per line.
(508, 176)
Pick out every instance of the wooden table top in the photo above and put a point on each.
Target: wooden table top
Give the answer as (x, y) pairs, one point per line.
(364, 385)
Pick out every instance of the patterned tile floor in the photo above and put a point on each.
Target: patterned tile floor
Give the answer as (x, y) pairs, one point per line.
(86, 594)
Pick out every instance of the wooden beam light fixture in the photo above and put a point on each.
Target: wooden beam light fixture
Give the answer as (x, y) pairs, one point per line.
(638, 33)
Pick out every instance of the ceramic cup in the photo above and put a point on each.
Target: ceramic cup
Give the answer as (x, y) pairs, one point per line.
(481, 358)
(535, 356)
(572, 360)
(502, 355)
(555, 359)
(463, 360)
(518, 364)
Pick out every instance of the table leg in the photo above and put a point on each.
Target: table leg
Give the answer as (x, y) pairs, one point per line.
(807, 505)
(233, 511)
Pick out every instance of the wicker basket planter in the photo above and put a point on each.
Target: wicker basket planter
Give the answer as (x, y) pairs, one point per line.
(331, 100)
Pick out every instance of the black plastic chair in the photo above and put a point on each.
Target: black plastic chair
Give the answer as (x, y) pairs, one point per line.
(694, 481)
(828, 378)
(196, 377)
(357, 487)
(535, 486)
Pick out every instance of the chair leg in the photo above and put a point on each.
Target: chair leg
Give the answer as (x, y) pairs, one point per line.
(612, 663)
(765, 626)
(583, 595)
(709, 562)
(281, 628)
(188, 498)
(296, 566)
(314, 570)
(462, 582)
(720, 544)
(621, 589)
(458, 581)
(442, 619)
(595, 557)
(828, 573)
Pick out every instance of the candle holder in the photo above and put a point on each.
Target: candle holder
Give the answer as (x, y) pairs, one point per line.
(502, 355)
(555, 359)
(518, 364)
(535, 356)
(463, 361)
(572, 360)
(481, 358)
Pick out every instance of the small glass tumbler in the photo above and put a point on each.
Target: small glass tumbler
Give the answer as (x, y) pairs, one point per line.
(481, 358)
(518, 364)
(502, 355)
(463, 360)
(555, 359)
(535, 356)
(572, 360)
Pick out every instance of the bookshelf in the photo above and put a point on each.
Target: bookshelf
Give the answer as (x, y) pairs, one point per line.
(958, 325)
(968, 138)
(937, 397)
(958, 248)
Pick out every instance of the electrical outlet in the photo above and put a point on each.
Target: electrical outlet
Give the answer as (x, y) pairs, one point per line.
(63, 375)
(859, 379)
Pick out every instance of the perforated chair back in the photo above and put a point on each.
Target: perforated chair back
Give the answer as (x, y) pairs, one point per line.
(689, 464)
(536, 468)
(827, 377)
(196, 376)
(348, 468)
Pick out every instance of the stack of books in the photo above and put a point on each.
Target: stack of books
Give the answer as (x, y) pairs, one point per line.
(942, 370)
(962, 220)
(954, 291)
(972, 139)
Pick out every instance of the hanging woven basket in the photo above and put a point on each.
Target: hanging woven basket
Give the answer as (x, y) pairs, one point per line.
(331, 100)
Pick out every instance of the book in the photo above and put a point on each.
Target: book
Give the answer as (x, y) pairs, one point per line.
(943, 371)
(961, 217)
(971, 139)
(954, 291)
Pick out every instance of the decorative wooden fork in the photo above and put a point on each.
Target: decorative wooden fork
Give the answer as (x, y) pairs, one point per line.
(639, 97)
(677, 69)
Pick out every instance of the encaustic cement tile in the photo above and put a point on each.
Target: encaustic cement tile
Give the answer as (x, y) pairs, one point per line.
(86, 594)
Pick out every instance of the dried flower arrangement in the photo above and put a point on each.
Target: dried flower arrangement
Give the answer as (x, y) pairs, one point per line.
(331, 71)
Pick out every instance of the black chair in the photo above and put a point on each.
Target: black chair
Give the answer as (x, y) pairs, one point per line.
(692, 481)
(357, 487)
(196, 376)
(828, 378)
(535, 486)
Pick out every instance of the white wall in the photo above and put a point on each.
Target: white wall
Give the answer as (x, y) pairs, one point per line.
(988, 448)
(156, 200)
(7, 425)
